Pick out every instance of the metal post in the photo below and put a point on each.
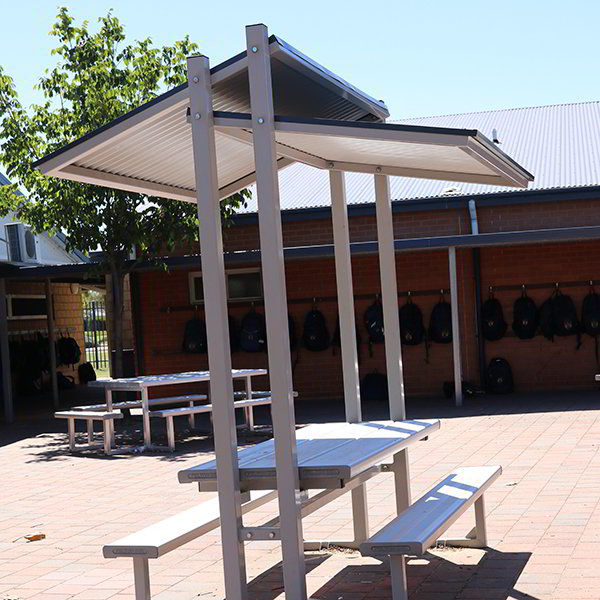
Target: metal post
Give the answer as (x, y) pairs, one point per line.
(273, 273)
(9, 413)
(391, 325)
(389, 297)
(217, 327)
(51, 342)
(455, 326)
(95, 330)
(345, 294)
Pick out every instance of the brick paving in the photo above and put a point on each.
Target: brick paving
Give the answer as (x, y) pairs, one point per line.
(543, 513)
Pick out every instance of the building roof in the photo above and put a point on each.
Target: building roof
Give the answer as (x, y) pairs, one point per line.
(560, 144)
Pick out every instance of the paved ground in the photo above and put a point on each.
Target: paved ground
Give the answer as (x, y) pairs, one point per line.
(544, 512)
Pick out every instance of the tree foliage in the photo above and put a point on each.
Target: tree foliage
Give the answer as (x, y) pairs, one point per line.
(97, 78)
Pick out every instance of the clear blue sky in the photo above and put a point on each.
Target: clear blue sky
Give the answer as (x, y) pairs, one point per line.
(421, 57)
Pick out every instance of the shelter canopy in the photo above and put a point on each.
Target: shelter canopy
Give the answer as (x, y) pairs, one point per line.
(321, 120)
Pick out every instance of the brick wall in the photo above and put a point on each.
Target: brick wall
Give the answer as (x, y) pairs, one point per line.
(537, 363)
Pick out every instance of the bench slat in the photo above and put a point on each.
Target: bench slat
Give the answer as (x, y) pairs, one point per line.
(422, 523)
(188, 410)
(166, 535)
(151, 402)
(91, 414)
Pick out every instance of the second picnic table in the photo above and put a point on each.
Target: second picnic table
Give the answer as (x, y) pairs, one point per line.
(142, 383)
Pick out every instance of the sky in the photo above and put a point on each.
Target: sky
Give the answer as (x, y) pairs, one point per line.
(423, 58)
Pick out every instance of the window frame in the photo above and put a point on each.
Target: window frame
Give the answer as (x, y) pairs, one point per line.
(199, 302)
(9, 307)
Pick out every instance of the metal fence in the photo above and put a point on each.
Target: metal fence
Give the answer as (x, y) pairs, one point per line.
(96, 337)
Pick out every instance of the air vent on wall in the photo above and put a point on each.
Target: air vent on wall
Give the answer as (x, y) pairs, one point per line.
(22, 243)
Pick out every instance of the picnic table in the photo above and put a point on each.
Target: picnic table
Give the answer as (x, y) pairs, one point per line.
(142, 384)
(333, 457)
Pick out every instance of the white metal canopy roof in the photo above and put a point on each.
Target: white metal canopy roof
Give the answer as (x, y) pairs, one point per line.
(323, 121)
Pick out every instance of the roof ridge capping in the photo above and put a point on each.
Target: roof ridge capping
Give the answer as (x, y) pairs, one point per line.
(494, 110)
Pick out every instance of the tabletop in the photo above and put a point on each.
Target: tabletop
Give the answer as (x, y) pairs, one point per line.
(328, 453)
(145, 381)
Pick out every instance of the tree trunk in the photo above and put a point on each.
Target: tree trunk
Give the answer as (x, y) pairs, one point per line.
(118, 284)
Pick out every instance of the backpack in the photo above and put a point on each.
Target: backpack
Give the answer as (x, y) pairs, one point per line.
(565, 315)
(499, 379)
(440, 322)
(292, 333)
(493, 325)
(194, 337)
(374, 387)
(590, 314)
(546, 318)
(374, 324)
(412, 330)
(525, 317)
(64, 382)
(86, 372)
(315, 335)
(234, 334)
(253, 334)
(69, 351)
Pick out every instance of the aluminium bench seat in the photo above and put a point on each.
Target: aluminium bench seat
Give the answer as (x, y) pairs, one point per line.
(171, 533)
(89, 416)
(170, 413)
(420, 526)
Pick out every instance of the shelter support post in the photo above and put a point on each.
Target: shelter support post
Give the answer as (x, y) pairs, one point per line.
(345, 294)
(276, 316)
(51, 342)
(455, 326)
(217, 327)
(9, 414)
(391, 326)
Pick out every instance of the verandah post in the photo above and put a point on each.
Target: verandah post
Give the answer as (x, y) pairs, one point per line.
(458, 399)
(9, 414)
(217, 327)
(276, 312)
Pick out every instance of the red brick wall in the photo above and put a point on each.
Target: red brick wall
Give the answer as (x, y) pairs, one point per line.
(537, 364)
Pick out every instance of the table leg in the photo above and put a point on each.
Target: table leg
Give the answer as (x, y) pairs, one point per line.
(71, 428)
(360, 514)
(398, 576)
(192, 417)
(402, 480)
(146, 418)
(249, 413)
(109, 407)
(90, 430)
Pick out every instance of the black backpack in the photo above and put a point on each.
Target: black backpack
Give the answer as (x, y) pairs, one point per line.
(590, 314)
(253, 334)
(234, 334)
(69, 351)
(493, 325)
(412, 330)
(525, 317)
(440, 322)
(194, 337)
(546, 318)
(565, 315)
(499, 378)
(315, 335)
(374, 387)
(86, 372)
(374, 324)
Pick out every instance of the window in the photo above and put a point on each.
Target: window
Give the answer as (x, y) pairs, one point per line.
(242, 285)
(25, 306)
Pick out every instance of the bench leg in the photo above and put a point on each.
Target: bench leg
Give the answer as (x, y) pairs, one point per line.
(398, 576)
(171, 433)
(250, 418)
(480, 526)
(90, 430)
(192, 417)
(71, 429)
(141, 578)
(107, 436)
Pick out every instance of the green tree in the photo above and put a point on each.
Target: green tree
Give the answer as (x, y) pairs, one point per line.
(98, 77)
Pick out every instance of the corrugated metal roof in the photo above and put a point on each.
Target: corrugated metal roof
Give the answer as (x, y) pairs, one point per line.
(559, 144)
